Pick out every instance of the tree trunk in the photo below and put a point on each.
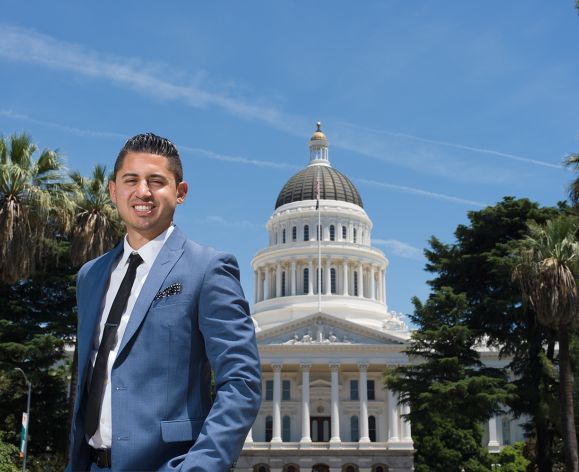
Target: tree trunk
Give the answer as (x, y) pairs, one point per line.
(566, 394)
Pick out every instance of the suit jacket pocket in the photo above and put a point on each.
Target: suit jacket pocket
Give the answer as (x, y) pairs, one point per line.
(181, 430)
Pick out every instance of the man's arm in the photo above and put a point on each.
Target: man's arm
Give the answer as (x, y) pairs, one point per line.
(229, 336)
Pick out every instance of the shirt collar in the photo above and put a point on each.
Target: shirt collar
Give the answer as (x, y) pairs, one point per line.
(149, 251)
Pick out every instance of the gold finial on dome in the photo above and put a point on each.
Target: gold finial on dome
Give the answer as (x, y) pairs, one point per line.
(318, 134)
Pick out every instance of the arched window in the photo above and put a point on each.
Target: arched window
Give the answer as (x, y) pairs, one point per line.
(261, 468)
(294, 233)
(268, 428)
(283, 283)
(319, 232)
(344, 233)
(332, 233)
(306, 233)
(291, 468)
(306, 279)
(350, 468)
(354, 234)
(354, 431)
(286, 429)
(355, 283)
(283, 236)
(379, 468)
(372, 428)
(333, 280)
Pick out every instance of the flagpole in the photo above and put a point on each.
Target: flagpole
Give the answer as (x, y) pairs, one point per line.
(319, 236)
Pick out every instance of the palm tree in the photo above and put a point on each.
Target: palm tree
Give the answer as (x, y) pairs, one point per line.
(32, 201)
(547, 265)
(572, 160)
(97, 225)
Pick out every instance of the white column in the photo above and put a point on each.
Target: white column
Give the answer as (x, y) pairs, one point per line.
(328, 278)
(255, 276)
(335, 406)
(259, 285)
(372, 283)
(406, 430)
(345, 273)
(293, 278)
(360, 280)
(393, 417)
(249, 438)
(363, 390)
(311, 277)
(278, 280)
(383, 285)
(306, 436)
(276, 436)
(493, 445)
(267, 283)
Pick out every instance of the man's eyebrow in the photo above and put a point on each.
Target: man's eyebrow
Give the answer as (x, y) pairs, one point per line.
(134, 174)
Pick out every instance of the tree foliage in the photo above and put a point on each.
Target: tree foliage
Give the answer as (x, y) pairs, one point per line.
(450, 392)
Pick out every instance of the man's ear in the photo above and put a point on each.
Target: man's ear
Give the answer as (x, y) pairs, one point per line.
(182, 190)
(113, 191)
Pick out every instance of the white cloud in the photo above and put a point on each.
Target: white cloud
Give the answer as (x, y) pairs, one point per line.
(400, 248)
(418, 191)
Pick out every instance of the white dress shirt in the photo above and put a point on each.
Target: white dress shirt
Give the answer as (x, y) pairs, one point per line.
(103, 436)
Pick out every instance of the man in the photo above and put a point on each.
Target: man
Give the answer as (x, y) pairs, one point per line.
(156, 315)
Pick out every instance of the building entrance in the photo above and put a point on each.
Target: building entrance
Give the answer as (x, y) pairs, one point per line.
(320, 428)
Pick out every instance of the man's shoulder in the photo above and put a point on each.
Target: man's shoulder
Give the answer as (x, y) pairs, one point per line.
(207, 253)
(87, 266)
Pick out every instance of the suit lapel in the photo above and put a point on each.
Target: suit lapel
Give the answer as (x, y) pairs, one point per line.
(96, 283)
(167, 258)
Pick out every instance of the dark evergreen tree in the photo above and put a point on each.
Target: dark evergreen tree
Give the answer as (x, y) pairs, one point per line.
(450, 392)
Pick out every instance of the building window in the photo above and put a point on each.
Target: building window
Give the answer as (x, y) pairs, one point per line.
(306, 279)
(506, 431)
(269, 390)
(344, 233)
(261, 468)
(286, 429)
(285, 390)
(306, 233)
(333, 280)
(294, 233)
(355, 240)
(332, 233)
(379, 468)
(283, 283)
(354, 432)
(372, 428)
(283, 236)
(319, 232)
(268, 428)
(371, 390)
(354, 390)
(290, 468)
(355, 283)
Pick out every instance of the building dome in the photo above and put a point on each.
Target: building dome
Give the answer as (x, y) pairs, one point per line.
(319, 135)
(333, 186)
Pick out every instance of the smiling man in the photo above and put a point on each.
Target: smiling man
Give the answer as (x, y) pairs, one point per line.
(156, 315)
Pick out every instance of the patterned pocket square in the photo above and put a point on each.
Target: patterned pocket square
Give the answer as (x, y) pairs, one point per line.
(173, 289)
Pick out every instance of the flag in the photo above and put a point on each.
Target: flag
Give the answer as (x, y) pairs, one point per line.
(23, 435)
(318, 192)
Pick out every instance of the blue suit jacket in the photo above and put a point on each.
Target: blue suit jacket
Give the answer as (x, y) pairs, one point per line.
(163, 416)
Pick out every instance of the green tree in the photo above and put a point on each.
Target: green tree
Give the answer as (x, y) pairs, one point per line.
(97, 226)
(479, 266)
(573, 161)
(450, 392)
(547, 264)
(32, 200)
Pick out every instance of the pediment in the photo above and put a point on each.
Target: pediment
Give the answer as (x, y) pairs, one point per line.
(324, 329)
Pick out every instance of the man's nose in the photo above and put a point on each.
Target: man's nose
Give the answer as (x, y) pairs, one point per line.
(143, 190)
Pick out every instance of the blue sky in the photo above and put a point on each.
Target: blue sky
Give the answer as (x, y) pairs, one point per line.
(433, 109)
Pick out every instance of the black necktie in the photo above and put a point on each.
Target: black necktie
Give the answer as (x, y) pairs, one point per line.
(99, 374)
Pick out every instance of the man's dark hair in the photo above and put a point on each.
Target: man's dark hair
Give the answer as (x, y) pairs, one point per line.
(152, 144)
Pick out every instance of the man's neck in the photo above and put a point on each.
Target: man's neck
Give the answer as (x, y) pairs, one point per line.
(137, 239)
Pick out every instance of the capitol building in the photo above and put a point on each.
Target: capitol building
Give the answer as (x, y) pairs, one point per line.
(325, 335)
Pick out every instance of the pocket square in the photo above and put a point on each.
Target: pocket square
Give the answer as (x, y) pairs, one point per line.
(173, 289)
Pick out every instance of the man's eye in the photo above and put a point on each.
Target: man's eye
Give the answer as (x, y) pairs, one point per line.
(157, 182)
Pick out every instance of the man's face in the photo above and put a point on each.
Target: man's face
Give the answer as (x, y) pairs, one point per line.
(145, 193)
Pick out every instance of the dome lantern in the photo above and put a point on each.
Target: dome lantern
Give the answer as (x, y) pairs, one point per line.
(319, 147)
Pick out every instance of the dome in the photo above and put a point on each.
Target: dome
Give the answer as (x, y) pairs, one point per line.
(333, 186)
(318, 134)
